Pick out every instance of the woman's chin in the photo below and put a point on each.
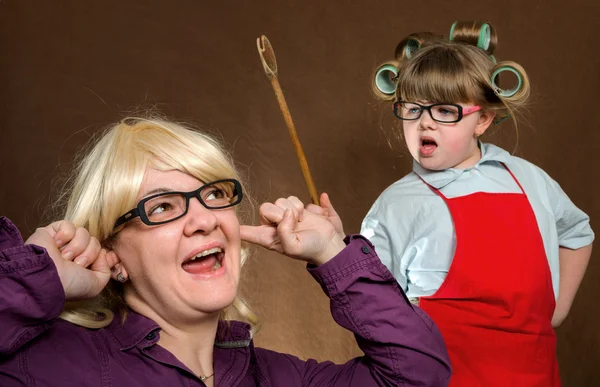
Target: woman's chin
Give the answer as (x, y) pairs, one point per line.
(216, 303)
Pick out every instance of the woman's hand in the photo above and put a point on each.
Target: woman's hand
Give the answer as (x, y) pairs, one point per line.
(83, 266)
(327, 211)
(307, 235)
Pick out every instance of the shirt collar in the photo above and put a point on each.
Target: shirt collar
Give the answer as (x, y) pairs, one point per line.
(439, 179)
(139, 329)
(135, 329)
(9, 234)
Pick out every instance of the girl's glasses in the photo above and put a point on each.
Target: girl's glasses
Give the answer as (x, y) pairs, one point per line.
(440, 112)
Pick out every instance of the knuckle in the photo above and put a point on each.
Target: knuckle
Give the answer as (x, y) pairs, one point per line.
(83, 234)
(264, 207)
(95, 243)
(66, 226)
(280, 201)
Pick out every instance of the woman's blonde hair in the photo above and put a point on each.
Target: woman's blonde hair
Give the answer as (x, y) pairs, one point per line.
(427, 67)
(106, 183)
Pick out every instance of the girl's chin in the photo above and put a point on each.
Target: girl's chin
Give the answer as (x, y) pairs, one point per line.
(432, 165)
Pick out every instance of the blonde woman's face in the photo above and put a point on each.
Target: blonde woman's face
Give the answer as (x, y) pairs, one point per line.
(438, 146)
(185, 268)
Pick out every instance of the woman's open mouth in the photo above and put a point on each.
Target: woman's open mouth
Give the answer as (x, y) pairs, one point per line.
(205, 262)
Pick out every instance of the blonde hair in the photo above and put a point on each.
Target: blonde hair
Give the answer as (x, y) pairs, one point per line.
(455, 71)
(106, 183)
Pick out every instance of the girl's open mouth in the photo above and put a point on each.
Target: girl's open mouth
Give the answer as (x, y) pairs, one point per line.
(428, 146)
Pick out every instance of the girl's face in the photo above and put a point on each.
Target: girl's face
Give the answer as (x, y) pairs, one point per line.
(438, 146)
(183, 269)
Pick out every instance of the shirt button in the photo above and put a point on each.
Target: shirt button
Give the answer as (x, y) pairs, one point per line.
(365, 250)
(150, 336)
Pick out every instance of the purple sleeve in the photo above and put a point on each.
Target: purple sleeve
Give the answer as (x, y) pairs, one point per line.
(402, 345)
(31, 294)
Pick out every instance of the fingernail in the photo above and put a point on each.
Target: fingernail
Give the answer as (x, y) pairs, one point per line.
(67, 254)
(81, 261)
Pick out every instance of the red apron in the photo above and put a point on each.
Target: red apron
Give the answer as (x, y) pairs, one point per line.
(495, 306)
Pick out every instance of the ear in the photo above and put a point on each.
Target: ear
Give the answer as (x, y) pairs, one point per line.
(485, 120)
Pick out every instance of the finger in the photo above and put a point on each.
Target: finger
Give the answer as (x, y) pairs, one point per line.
(62, 232)
(285, 230)
(298, 206)
(77, 245)
(102, 262)
(326, 204)
(90, 254)
(332, 214)
(317, 210)
(249, 233)
(270, 214)
(112, 259)
(265, 236)
(286, 203)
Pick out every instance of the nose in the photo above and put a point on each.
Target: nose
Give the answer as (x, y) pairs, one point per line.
(200, 219)
(427, 121)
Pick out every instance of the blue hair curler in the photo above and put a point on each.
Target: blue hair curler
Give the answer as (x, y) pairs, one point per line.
(411, 47)
(452, 30)
(514, 90)
(485, 37)
(480, 35)
(385, 79)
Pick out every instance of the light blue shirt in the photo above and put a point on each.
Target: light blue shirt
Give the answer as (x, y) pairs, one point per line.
(412, 230)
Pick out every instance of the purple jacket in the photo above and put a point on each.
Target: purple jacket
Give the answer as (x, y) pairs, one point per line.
(402, 345)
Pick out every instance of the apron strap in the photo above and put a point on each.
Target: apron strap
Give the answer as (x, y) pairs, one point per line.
(435, 190)
(514, 178)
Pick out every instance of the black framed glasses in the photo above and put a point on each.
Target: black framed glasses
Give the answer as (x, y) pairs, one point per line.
(169, 206)
(441, 112)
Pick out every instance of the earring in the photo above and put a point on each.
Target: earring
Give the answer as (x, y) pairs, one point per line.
(121, 278)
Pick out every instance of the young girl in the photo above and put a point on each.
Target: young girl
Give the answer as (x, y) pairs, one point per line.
(486, 243)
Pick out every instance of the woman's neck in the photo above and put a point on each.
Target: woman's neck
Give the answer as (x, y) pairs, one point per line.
(191, 340)
(194, 347)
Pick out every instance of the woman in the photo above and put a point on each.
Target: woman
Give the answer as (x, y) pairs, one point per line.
(134, 287)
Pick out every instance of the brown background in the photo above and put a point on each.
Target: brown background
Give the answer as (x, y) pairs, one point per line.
(69, 67)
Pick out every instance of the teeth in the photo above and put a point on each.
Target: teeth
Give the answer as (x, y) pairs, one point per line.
(214, 250)
(216, 266)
